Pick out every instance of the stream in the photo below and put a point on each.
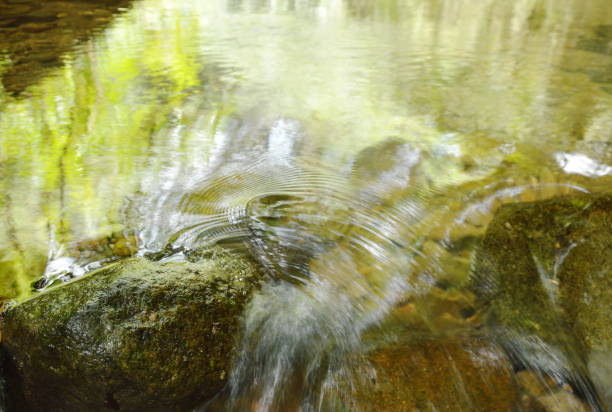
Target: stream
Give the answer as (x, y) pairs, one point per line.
(356, 150)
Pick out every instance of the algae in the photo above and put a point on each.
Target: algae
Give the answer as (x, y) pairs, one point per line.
(137, 335)
(542, 276)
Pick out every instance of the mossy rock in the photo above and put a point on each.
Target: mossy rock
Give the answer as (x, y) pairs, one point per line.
(134, 336)
(543, 270)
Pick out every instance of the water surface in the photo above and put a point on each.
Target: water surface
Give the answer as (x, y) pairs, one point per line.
(360, 134)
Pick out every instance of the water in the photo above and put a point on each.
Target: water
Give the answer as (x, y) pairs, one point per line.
(356, 149)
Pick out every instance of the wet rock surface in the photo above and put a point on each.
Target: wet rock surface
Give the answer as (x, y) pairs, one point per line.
(543, 276)
(542, 393)
(542, 291)
(85, 256)
(466, 374)
(136, 335)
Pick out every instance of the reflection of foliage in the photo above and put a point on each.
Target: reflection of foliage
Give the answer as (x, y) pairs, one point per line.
(151, 96)
(73, 151)
(4, 63)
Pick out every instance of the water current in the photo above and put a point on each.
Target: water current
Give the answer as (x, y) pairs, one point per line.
(356, 150)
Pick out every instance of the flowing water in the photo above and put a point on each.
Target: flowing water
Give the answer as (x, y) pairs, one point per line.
(355, 149)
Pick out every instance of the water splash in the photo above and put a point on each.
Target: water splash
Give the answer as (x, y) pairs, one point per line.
(343, 246)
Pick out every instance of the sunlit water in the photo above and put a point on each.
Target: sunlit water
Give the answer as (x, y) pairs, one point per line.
(356, 149)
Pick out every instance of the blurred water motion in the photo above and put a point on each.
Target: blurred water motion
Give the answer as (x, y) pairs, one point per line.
(356, 149)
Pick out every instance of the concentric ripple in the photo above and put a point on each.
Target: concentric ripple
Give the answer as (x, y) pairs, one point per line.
(343, 246)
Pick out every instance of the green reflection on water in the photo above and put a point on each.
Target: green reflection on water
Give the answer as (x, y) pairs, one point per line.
(504, 84)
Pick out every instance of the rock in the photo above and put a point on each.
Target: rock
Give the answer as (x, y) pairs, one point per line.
(544, 394)
(543, 270)
(388, 159)
(559, 401)
(115, 245)
(533, 385)
(600, 370)
(437, 313)
(136, 335)
(442, 375)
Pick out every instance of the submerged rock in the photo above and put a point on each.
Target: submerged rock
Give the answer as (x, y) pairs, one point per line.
(466, 374)
(544, 394)
(558, 401)
(137, 336)
(543, 272)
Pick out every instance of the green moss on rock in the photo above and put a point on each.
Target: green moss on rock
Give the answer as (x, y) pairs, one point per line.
(137, 335)
(543, 270)
(548, 263)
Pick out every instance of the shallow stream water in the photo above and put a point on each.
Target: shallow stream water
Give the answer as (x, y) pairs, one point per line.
(357, 149)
